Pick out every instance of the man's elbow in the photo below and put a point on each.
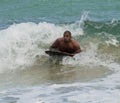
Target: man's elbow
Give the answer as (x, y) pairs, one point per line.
(78, 50)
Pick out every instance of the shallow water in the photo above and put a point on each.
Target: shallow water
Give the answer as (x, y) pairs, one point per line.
(47, 72)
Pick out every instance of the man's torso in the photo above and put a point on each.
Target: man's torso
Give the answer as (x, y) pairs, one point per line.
(67, 47)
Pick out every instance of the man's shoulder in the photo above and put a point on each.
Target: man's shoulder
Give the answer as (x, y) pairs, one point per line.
(59, 39)
(75, 43)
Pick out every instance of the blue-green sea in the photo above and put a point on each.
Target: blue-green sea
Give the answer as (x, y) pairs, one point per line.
(29, 27)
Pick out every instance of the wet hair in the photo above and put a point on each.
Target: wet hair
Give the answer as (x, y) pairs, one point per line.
(68, 32)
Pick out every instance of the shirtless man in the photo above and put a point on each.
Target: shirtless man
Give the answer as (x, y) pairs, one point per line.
(66, 44)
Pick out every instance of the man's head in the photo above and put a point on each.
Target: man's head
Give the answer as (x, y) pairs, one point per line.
(67, 36)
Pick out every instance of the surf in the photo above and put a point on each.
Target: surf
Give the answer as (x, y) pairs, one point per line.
(21, 43)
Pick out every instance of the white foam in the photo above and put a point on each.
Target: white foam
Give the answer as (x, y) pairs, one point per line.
(112, 41)
(91, 92)
(95, 96)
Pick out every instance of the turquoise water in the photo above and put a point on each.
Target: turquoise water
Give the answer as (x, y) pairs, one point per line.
(57, 11)
(29, 27)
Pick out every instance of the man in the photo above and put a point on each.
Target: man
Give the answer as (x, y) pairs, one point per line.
(66, 44)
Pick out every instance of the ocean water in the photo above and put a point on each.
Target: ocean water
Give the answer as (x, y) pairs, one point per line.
(29, 27)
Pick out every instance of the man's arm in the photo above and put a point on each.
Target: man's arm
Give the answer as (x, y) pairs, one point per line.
(78, 50)
(77, 46)
(54, 45)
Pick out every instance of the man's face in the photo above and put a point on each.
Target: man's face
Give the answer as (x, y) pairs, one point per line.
(67, 37)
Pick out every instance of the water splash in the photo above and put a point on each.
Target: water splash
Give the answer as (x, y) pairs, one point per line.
(20, 43)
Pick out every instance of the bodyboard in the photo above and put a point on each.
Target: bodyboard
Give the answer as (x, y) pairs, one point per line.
(58, 53)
